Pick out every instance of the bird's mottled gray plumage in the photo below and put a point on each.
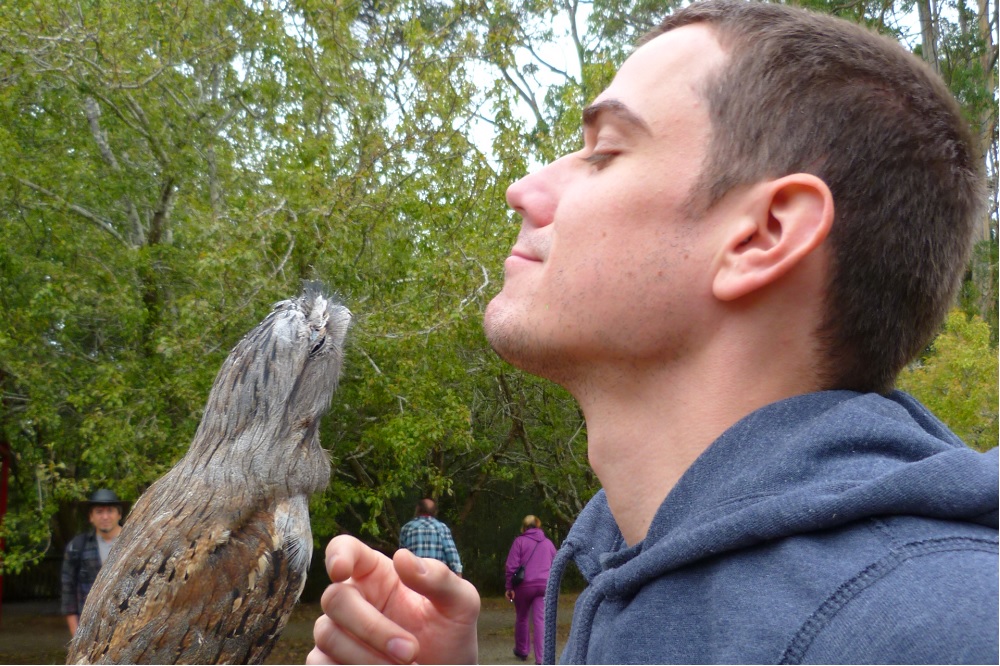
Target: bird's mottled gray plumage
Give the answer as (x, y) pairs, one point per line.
(214, 555)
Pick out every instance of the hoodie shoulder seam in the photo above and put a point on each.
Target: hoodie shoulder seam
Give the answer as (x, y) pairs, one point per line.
(852, 588)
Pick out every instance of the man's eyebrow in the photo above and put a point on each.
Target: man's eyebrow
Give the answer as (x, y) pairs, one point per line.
(619, 110)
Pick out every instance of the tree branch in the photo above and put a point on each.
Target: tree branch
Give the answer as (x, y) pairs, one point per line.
(79, 210)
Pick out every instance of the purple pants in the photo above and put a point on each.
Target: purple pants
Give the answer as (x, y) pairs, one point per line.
(529, 604)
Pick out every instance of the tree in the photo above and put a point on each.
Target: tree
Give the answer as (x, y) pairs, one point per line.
(957, 380)
(170, 170)
(114, 119)
(167, 172)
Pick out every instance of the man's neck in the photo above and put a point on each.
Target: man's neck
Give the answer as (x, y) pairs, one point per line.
(645, 432)
(639, 447)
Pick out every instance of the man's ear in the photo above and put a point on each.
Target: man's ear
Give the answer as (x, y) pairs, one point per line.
(781, 223)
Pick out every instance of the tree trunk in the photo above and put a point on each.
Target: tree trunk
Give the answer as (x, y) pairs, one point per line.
(988, 115)
(928, 32)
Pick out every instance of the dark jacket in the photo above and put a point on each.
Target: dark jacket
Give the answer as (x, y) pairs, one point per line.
(833, 527)
(81, 562)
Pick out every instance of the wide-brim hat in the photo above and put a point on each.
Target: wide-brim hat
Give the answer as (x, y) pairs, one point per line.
(105, 497)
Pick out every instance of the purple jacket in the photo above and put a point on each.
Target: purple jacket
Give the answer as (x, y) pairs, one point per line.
(537, 565)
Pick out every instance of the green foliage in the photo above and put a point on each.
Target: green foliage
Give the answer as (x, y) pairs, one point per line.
(170, 170)
(957, 380)
(979, 288)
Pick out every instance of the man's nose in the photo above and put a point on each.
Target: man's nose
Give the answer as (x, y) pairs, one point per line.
(536, 196)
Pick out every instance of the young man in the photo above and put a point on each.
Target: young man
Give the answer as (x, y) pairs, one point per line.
(768, 218)
(426, 536)
(87, 551)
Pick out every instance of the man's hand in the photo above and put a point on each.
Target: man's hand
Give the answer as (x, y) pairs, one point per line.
(382, 611)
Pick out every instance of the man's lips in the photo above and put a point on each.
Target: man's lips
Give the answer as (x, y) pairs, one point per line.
(523, 253)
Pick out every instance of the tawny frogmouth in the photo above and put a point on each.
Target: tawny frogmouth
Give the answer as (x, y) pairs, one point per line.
(214, 554)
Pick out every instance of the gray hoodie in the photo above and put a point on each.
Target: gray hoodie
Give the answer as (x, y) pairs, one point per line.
(834, 527)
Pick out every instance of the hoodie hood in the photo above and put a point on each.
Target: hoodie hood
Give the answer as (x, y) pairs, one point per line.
(533, 533)
(805, 464)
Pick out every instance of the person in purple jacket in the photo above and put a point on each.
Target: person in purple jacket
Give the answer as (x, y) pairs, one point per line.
(535, 552)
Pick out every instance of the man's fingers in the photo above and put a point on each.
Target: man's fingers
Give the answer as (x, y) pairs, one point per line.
(317, 657)
(334, 645)
(346, 557)
(376, 608)
(353, 631)
(454, 597)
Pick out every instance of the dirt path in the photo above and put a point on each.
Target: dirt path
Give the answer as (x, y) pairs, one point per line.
(35, 633)
(496, 629)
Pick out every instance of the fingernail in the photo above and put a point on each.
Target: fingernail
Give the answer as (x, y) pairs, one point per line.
(419, 566)
(329, 561)
(401, 649)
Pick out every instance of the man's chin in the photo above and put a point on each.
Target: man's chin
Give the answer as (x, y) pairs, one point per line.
(502, 332)
(523, 351)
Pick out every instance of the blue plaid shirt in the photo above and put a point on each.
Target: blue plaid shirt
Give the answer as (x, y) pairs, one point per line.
(425, 536)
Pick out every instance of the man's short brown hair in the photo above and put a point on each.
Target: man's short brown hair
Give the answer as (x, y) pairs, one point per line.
(807, 92)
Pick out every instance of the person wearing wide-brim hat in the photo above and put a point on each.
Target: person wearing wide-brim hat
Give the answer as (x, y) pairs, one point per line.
(87, 551)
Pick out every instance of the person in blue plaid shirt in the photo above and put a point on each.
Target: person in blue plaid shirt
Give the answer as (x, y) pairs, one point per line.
(426, 536)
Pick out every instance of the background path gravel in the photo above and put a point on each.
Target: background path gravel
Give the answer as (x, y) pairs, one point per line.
(35, 633)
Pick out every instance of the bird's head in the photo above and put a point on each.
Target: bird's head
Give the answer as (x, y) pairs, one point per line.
(310, 331)
(279, 379)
